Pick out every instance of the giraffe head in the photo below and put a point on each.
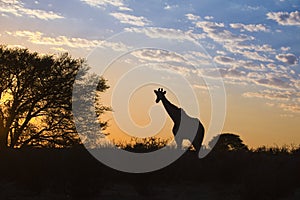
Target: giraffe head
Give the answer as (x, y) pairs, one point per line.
(160, 93)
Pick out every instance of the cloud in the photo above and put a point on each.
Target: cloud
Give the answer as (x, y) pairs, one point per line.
(285, 100)
(237, 43)
(274, 82)
(253, 66)
(249, 65)
(297, 84)
(99, 3)
(285, 48)
(289, 58)
(233, 73)
(170, 7)
(192, 17)
(218, 33)
(271, 95)
(199, 54)
(224, 60)
(130, 19)
(167, 61)
(121, 16)
(252, 63)
(105, 3)
(255, 75)
(158, 55)
(18, 9)
(256, 56)
(285, 18)
(272, 66)
(235, 47)
(209, 27)
(208, 17)
(168, 33)
(252, 52)
(291, 107)
(200, 87)
(250, 27)
(41, 39)
(172, 68)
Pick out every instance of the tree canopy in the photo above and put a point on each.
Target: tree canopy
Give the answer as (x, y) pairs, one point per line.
(227, 142)
(36, 98)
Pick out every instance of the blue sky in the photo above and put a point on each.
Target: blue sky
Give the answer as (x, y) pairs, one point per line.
(254, 44)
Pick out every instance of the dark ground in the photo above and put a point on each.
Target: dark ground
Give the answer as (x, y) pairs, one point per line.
(75, 174)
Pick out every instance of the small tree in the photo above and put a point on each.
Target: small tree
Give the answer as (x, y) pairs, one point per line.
(227, 142)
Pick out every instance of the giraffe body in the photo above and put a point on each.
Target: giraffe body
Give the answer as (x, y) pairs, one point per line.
(185, 127)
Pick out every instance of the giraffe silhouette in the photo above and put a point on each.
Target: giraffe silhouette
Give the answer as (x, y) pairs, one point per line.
(184, 125)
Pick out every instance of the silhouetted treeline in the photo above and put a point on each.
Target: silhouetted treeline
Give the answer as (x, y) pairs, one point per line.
(264, 173)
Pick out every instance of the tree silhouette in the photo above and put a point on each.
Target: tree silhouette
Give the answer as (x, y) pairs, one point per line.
(227, 142)
(36, 98)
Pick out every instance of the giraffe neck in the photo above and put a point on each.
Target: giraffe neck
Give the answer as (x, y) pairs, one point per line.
(172, 110)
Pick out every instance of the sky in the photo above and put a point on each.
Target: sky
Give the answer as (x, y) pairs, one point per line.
(195, 49)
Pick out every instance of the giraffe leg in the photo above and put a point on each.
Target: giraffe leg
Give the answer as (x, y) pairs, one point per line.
(197, 145)
(178, 143)
(177, 140)
(199, 138)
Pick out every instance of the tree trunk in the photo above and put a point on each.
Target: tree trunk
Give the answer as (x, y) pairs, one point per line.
(3, 137)
(2, 134)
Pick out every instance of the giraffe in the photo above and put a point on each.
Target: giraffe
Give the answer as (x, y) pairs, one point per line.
(178, 115)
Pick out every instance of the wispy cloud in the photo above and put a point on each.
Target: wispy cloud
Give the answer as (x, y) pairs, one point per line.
(208, 17)
(255, 56)
(285, 100)
(105, 3)
(192, 17)
(235, 43)
(170, 7)
(285, 18)
(275, 82)
(172, 69)
(17, 8)
(224, 60)
(289, 58)
(242, 60)
(219, 33)
(168, 33)
(271, 95)
(291, 107)
(234, 73)
(60, 41)
(130, 19)
(250, 27)
(158, 55)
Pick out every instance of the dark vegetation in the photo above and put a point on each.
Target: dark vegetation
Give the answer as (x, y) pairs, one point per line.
(144, 145)
(46, 160)
(72, 173)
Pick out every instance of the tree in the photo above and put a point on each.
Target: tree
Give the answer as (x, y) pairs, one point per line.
(36, 98)
(227, 142)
